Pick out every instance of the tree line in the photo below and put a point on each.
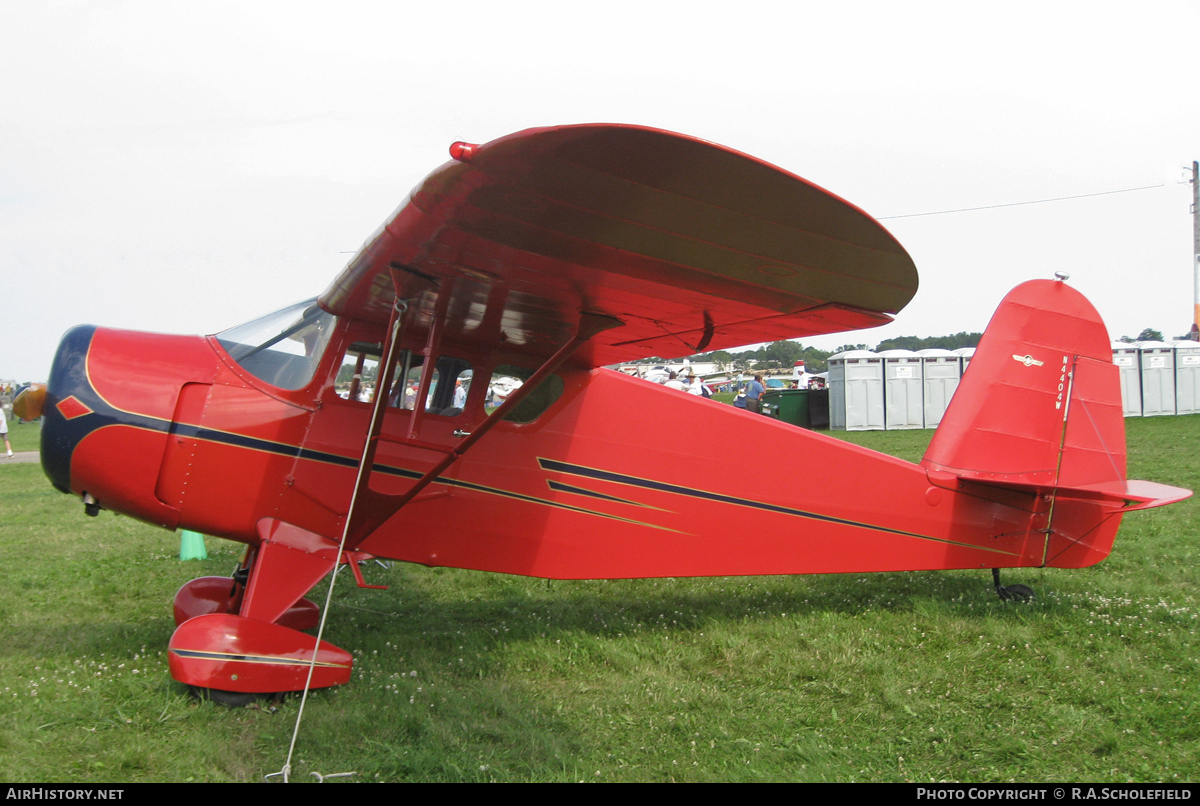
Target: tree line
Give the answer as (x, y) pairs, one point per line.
(783, 355)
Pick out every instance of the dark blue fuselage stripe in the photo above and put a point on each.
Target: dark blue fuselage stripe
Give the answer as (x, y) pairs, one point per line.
(675, 489)
(186, 430)
(559, 487)
(252, 443)
(662, 486)
(265, 445)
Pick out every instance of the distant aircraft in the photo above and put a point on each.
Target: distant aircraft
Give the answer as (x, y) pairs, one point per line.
(543, 256)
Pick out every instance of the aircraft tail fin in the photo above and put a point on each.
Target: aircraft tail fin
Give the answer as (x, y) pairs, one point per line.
(1039, 412)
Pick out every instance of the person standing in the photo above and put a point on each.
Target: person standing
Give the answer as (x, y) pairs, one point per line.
(754, 391)
(4, 432)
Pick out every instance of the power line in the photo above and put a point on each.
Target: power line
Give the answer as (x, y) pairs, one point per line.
(1018, 204)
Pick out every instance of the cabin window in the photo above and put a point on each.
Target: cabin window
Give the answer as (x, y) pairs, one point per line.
(507, 378)
(358, 378)
(449, 387)
(282, 348)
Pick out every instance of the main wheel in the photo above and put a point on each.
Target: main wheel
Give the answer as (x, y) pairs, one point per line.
(230, 699)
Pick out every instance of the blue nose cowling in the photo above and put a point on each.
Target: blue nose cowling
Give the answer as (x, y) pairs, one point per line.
(68, 379)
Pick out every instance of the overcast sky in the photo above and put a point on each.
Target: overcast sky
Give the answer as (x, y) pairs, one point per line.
(187, 166)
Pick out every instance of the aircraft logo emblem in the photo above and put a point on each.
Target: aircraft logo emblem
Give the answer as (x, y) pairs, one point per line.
(1028, 360)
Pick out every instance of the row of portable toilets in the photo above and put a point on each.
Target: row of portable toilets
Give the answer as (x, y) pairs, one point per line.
(898, 389)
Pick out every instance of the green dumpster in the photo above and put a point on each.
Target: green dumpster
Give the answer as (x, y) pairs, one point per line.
(789, 405)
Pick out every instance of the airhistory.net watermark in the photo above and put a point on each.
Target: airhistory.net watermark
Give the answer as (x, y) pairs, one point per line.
(61, 793)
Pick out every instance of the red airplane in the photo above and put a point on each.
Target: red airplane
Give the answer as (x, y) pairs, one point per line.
(366, 423)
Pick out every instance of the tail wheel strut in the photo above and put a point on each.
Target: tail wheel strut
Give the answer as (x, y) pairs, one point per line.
(1012, 593)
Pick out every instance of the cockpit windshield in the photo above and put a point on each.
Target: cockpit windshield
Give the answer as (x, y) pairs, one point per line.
(281, 348)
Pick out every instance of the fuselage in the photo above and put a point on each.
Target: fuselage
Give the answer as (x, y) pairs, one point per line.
(603, 476)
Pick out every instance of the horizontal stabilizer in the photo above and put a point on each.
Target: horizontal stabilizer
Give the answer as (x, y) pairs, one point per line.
(1127, 496)
(1138, 494)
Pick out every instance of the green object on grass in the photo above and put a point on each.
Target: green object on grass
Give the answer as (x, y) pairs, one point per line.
(191, 546)
(789, 405)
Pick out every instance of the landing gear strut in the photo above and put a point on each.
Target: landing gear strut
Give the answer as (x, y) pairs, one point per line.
(1012, 593)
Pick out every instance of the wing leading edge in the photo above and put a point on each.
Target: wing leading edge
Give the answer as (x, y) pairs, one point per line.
(691, 245)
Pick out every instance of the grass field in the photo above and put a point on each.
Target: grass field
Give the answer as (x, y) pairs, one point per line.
(464, 676)
(23, 436)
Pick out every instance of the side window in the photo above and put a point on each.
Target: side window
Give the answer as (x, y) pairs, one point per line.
(507, 378)
(449, 387)
(358, 378)
(404, 393)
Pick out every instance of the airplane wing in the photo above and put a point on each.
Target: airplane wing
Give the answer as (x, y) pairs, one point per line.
(692, 246)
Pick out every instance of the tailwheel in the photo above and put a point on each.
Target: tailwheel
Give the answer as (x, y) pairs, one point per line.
(1012, 593)
(1019, 593)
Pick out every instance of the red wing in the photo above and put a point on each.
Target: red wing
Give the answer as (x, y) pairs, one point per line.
(692, 245)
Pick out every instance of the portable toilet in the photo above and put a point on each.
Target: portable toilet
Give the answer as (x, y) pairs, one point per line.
(856, 391)
(1187, 377)
(1158, 378)
(903, 395)
(941, 371)
(964, 357)
(1126, 357)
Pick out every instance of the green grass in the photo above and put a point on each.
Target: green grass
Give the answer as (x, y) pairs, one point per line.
(464, 676)
(24, 436)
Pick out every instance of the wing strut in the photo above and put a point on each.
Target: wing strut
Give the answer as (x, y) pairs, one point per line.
(383, 390)
(359, 527)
